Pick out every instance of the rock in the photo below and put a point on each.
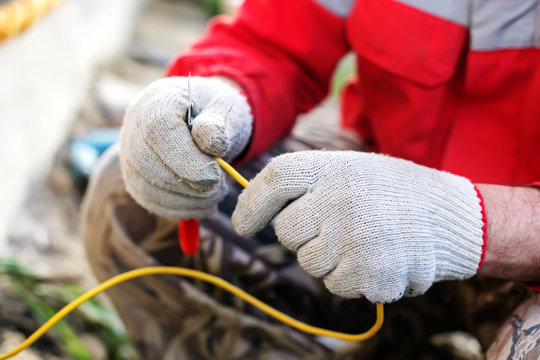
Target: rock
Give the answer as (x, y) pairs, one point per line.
(11, 339)
(95, 346)
(461, 344)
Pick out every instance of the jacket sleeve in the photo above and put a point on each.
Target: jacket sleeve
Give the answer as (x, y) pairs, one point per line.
(281, 52)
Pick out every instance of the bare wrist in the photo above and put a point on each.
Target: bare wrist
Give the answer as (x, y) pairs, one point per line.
(513, 232)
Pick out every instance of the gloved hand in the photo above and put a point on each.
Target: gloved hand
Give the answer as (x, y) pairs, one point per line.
(369, 225)
(170, 170)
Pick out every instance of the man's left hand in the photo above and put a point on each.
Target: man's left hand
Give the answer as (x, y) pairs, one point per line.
(368, 225)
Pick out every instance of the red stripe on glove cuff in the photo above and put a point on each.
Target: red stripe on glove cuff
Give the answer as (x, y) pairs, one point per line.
(484, 229)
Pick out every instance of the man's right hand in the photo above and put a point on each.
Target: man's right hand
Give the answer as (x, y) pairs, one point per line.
(169, 169)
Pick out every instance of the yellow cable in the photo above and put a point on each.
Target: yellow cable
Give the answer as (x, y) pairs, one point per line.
(232, 171)
(155, 270)
(170, 270)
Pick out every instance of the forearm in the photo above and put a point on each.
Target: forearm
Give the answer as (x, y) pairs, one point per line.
(513, 232)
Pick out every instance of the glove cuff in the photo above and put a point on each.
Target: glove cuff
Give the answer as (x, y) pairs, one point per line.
(462, 252)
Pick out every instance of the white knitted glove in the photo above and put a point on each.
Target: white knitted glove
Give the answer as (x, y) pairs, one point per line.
(170, 170)
(369, 225)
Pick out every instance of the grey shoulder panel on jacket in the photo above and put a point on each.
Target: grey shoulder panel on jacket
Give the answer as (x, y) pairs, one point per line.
(341, 8)
(493, 24)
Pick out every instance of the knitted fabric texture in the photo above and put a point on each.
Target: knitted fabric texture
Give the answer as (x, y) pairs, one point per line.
(170, 170)
(369, 225)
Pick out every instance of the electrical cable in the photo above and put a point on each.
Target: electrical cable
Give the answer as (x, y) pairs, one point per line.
(170, 270)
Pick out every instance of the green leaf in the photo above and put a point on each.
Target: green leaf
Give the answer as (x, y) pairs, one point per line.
(344, 71)
(42, 312)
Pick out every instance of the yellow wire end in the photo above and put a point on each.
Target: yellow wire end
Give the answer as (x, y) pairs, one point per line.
(232, 171)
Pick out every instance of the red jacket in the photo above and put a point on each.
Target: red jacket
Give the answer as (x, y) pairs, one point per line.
(451, 84)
